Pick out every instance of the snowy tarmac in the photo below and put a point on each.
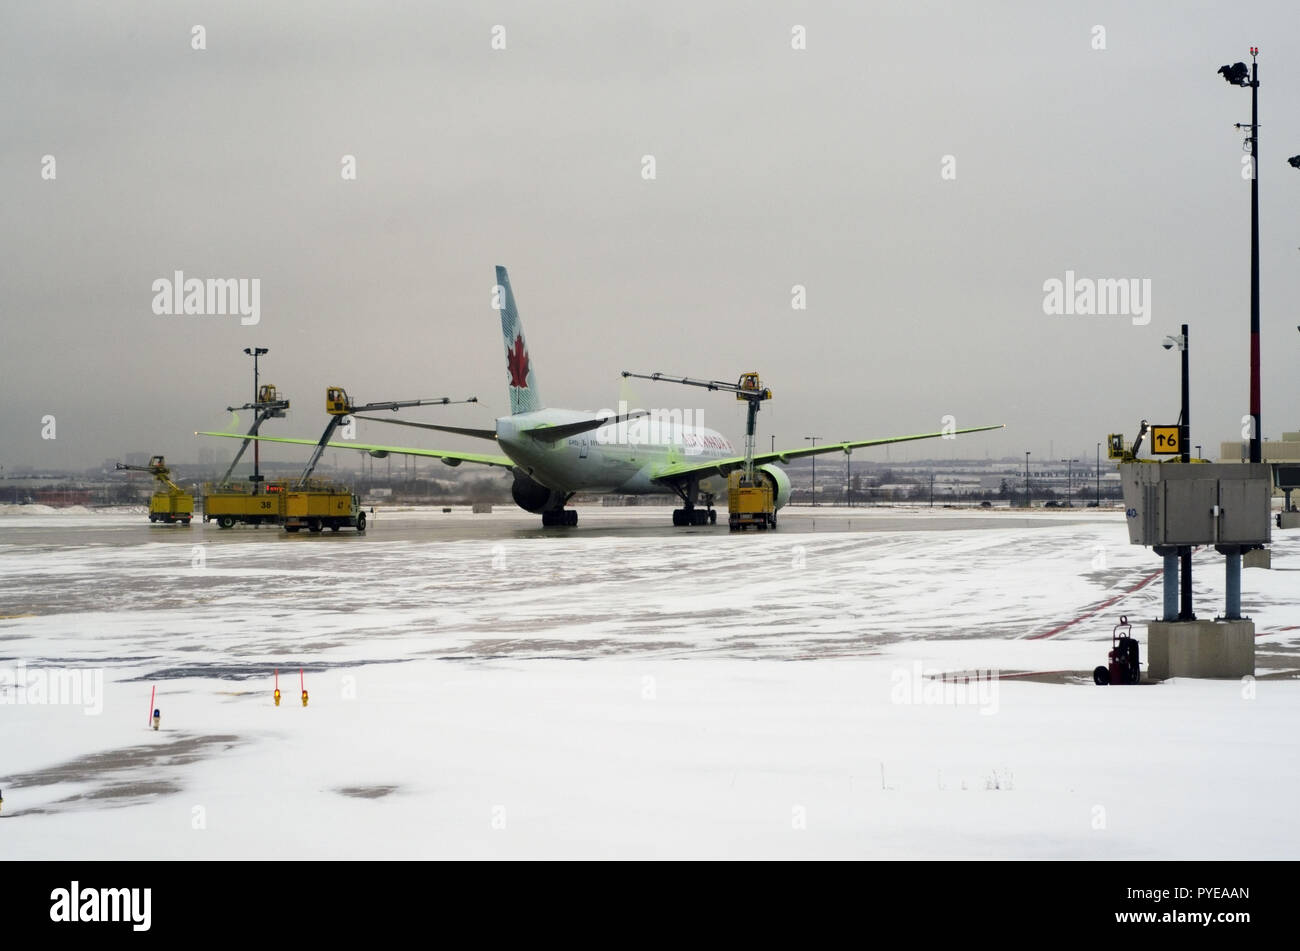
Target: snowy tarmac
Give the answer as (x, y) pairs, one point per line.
(481, 687)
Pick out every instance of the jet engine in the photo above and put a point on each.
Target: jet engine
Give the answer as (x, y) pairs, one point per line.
(532, 496)
(778, 481)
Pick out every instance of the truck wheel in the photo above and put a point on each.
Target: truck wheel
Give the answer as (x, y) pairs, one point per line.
(1101, 676)
(361, 521)
(334, 527)
(226, 521)
(314, 527)
(292, 529)
(153, 518)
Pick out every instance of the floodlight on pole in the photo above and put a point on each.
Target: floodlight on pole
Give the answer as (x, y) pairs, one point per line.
(256, 352)
(1238, 74)
(814, 467)
(1098, 475)
(848, 475)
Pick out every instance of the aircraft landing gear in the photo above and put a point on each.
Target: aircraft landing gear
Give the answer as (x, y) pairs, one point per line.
(689, 514)
(693, 516)
(561, 517)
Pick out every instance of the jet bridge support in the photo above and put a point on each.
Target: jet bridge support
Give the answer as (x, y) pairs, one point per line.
(1173, 507)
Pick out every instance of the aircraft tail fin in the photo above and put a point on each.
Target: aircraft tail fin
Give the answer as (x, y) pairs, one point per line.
(519, 367)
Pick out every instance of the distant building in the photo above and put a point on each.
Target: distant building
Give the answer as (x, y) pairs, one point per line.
(1286, 449)
(60, 497)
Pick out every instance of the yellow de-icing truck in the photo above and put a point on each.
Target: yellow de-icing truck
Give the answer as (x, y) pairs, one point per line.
(750, 500)
(315, 506)
(322, 505)
(301, 503)
(749, 503)
(170, 503)
(304, 502)
(254, 502)
(236, 502)
(171, 506)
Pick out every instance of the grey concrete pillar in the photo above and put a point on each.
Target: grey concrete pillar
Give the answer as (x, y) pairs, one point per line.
(1171, 587)
(1233, 608)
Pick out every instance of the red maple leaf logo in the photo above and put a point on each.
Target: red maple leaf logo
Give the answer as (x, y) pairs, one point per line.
(517, 364)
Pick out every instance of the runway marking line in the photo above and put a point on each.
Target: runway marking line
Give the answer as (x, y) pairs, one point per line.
(1137, 587)
(1101, 607)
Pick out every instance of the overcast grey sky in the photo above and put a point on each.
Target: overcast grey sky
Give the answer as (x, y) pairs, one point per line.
(774, 167)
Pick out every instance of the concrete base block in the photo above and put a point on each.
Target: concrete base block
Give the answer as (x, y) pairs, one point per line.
(1257, 558)
(1200, 649)
(1288, 520)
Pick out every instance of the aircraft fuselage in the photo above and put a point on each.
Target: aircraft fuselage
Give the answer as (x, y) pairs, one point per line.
(620, 459)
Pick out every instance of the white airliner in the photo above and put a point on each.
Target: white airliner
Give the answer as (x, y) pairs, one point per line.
(555, 453)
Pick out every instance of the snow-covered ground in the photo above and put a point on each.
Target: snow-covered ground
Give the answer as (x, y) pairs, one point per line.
(482, 688)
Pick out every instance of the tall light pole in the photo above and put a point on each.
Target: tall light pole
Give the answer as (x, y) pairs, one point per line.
(1027, 505)
(814, 459)
(256, 352)
(1184, 436)
(1236, 74)
(848, 475)
(1098, 475)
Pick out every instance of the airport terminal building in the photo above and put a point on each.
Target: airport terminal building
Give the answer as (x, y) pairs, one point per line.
(1287, 449)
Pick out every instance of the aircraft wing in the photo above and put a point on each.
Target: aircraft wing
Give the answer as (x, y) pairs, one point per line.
(676, 471)
(450, 458)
